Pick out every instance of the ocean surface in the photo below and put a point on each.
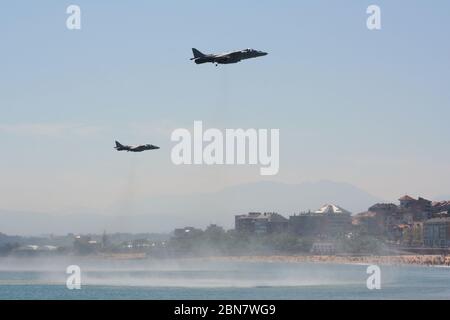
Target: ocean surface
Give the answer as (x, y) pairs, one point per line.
(172, 279)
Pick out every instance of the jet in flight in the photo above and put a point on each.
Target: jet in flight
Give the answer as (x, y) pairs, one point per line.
(226, 58)
(142, 147)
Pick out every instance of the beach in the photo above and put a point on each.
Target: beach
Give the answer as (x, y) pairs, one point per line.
(397, 260)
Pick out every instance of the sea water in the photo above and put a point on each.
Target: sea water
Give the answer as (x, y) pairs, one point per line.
(209, 279)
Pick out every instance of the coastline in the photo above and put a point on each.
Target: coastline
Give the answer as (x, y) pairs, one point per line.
(399, 260)
(393, 260)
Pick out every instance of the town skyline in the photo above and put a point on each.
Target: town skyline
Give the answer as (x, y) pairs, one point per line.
(415, 225)
(201, 210)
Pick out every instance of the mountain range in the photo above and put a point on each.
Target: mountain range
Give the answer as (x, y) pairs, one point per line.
(164, 213)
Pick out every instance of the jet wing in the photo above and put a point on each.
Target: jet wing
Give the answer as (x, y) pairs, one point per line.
(229, 55)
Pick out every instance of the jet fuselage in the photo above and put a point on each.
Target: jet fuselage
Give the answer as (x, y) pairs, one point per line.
(140, 148)
(226, 58)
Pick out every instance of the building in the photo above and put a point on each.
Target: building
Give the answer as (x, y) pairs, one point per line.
(436, 233)
(328, 221)
(420, 209)
(383, 219)
(386, 214)
(411, 234)
(369, 223)
(337, 220)
(261, 223)
(440, 207)
(406, 201)
(400, 223)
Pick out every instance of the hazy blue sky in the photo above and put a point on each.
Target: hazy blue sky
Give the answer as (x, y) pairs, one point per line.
(367, 108)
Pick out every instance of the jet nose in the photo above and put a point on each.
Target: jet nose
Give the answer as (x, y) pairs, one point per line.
(262, 53)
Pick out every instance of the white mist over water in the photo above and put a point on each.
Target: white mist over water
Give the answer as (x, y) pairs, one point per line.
(189, 273)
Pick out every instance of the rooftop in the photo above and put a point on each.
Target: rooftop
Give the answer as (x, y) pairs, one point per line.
(270, 216)
(406, 198)
(332, 209)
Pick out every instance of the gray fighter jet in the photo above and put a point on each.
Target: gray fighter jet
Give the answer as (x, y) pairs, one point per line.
(226, 58)
(142, 147)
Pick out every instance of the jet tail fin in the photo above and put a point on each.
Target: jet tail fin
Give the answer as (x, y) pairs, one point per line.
(197, 54)
(118, 145)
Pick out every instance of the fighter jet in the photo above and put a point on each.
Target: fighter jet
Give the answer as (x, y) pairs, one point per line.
(142, 147)
(226, 58)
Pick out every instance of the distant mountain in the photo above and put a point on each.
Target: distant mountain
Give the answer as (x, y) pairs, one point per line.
(163, 214)
(286, 199)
